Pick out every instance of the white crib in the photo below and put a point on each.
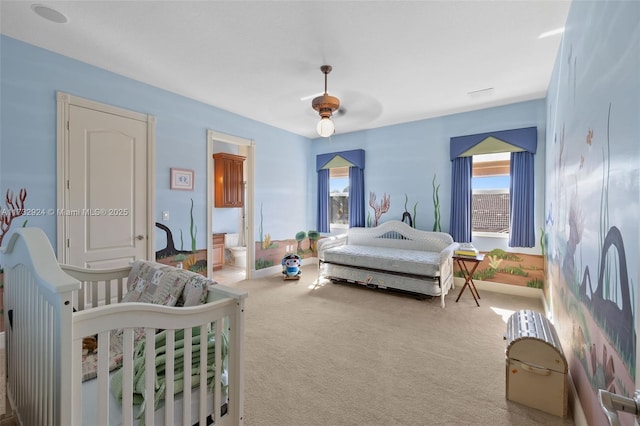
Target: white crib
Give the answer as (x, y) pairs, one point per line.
(44, 337)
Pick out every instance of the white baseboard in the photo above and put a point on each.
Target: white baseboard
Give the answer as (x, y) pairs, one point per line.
(576, 407)
(515, 290)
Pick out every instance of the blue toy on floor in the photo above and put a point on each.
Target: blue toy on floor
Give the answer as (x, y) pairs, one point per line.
(291, 266)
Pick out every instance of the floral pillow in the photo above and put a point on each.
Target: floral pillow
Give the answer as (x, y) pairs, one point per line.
(143, 281)
(170, 287)
(195, 291)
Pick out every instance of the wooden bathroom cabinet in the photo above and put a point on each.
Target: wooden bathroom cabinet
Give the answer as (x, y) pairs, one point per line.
(228, 178)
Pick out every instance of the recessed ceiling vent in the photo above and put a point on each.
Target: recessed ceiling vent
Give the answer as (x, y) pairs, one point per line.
(49, 14)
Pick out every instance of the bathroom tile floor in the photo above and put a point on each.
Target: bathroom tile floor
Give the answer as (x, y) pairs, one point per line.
(229, 275)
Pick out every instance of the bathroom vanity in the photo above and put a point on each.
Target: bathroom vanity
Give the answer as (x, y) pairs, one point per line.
(218, 251)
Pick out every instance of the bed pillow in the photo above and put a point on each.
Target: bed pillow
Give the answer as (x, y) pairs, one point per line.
(143, 281)
(170, 287)
(195, 291)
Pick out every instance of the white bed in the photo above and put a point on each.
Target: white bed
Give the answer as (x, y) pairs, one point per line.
(44, 336)
(391, 255)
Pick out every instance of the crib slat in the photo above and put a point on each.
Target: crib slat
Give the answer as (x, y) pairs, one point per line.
(81, 297)
(107, 292)
(76, 385)
(169, 376)
(36, 371)
(103, 379)
(217, 391)
(203, 374)
(186, 406)
(120, 287)
(94, 294)
(149, 362)
(127, 381)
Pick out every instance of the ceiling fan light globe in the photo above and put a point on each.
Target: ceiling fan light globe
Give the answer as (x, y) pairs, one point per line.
(325, 127)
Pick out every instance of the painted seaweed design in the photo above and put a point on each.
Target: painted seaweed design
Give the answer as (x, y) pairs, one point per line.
(379, 209)
(436, 205)
(406, 216)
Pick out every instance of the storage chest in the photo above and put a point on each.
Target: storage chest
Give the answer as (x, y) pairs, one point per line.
(536, 368)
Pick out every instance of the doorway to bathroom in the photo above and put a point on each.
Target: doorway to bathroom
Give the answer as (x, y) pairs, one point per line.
(231, 252)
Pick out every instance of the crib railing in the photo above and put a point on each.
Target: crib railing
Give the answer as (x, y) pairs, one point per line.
(98, 288)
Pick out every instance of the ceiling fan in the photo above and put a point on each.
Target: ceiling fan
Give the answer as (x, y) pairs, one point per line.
(352, 108)
(325, 104)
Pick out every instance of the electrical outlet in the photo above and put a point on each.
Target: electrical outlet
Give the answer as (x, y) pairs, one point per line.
(165, 215)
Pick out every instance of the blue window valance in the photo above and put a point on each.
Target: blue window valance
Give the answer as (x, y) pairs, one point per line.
(524, 139)
(355, 157)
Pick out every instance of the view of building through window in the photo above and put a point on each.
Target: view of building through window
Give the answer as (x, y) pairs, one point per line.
(490, 193)
(339, 196)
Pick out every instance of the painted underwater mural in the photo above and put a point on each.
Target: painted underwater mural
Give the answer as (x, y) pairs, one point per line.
(593, 198)
(270, 252)
(499, 266)
(589, 271)
(194, 260)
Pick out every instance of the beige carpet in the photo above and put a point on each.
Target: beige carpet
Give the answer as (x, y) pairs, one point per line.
(337, 354)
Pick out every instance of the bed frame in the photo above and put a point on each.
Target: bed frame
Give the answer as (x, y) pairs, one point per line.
(435, 279)
(44, 338)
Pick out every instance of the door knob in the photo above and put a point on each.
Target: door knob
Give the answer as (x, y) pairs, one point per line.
(140, 237)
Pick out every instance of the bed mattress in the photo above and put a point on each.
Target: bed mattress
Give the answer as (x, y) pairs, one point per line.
(414, 262)
(381, 279)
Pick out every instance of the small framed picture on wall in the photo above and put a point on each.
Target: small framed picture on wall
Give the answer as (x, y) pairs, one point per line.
(182, 179)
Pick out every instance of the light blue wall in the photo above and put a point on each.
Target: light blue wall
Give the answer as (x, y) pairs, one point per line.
(593, 197)
(29, 79)
(403, 159)
(400, 159)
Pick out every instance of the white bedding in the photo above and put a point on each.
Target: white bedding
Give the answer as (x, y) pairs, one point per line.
(89, 403)
(414, 262)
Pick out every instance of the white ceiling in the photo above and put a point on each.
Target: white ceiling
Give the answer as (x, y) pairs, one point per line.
(393, 61)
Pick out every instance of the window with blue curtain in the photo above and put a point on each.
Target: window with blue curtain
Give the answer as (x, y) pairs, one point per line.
(522, 143)
(355, 161)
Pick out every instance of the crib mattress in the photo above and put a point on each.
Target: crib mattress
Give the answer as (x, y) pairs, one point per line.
(397, 260)
(89, 406)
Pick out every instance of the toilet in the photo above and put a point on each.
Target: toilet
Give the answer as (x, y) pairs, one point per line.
(238, 253)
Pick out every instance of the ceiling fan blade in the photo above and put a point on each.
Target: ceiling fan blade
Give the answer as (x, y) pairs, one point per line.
(309, 97)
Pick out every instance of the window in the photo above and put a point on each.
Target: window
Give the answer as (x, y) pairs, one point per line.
(521, 144)
(346, 168)
(339, 197)
(490, 194)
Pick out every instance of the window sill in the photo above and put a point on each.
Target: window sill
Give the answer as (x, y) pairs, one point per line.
(490, 235)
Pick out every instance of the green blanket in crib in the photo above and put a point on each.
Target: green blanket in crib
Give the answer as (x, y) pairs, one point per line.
(140, 394)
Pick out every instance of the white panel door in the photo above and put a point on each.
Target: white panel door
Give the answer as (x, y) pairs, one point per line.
(107, 202)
